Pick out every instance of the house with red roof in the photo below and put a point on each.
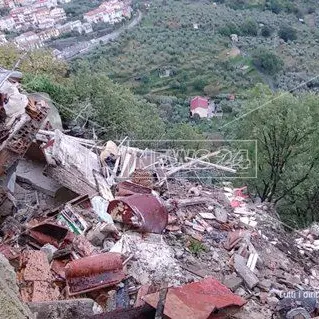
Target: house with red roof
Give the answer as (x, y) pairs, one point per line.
(199, 105)
(203, 107)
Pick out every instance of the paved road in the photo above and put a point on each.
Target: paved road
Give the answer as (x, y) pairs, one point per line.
(86, 46)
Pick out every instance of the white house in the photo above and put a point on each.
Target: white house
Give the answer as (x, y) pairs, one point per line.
(7, 23)
(28, 40)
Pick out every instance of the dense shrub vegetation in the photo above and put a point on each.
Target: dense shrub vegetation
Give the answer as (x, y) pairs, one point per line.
(267, 61)
(206, 57)
(287, 33)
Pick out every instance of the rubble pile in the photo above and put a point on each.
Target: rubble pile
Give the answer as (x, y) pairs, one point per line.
(106, 230)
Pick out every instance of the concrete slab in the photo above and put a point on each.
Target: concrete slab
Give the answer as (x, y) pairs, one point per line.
(30, 172)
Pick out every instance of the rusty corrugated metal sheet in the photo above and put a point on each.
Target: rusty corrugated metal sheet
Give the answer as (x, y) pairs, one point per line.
(205, 299)
(48, 233)
(94, 272)
(145, 212)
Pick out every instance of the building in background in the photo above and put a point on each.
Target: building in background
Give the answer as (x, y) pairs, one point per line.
(28, 40)
(3, 39)
(7, 23)
(108, 12)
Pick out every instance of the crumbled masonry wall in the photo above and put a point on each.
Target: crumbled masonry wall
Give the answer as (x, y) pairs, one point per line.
(65, 309)
(11, 306)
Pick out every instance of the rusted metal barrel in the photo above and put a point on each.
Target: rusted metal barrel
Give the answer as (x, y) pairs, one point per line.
(94, 264)
(146, 212)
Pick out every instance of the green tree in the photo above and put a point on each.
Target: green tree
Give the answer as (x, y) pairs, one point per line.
(115, 107)
(267, 61)
(199, 84)
(275, 6)
(229, 28)
(287, 33)
(249, 28)
(286, 131)
(37, 62)
(266, 31)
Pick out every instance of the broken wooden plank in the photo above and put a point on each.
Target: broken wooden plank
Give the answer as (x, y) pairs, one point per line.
(189, 164)
(252, 260)
(216, 166)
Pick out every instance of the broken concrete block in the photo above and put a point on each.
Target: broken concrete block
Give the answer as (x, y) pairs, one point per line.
(207, 215)
(221, 215)
(72, 164)
(249, 277)
(49, 251)
(30, 172)
(265, 284)
(246, 221)
(65, 309)
(233, 283)
(11, 306)
(272, 301)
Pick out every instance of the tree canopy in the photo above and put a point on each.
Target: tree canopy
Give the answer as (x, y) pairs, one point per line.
(286, 130)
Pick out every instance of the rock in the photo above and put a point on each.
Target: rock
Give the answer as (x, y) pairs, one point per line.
(30, 172)
(263, 297)
(215, 256)
(195, 191)
(49, 251)
(256, 291)
(65, 309)
(179, 252)
(279, 286)
(240, 266)
(107, 244)
(233, 283)
(10, 305)
(221, 215)
(240, 292)
(272, 301)
(265, 284)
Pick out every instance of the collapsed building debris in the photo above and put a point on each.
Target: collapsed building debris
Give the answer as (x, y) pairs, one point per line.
(94, 272)
(20, 119)
(120, 227)
(145, 212)
(204, 299)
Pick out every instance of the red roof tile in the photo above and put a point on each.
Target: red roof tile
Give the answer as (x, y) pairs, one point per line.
(204, 299)
(199, 101)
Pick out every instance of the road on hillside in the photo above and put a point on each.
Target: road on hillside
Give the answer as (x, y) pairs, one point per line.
(86, 46)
